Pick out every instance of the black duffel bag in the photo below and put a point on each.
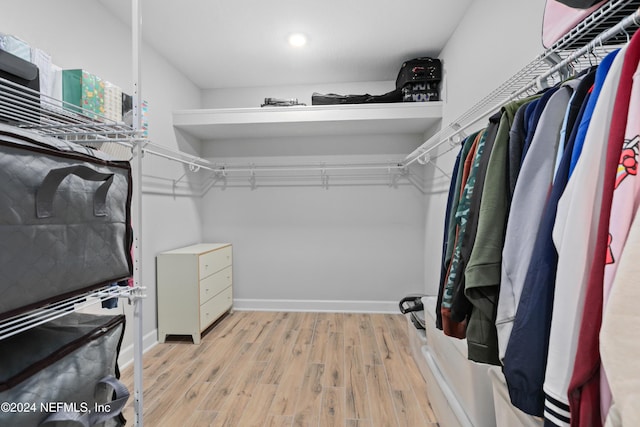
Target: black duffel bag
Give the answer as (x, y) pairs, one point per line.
(335, 99)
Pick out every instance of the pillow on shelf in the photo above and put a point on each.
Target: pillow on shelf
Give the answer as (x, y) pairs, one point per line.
(559, 18)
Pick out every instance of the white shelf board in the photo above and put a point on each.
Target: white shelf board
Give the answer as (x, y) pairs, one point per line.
(350, 119)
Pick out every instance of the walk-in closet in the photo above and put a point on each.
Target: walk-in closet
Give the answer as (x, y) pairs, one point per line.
(354, 214)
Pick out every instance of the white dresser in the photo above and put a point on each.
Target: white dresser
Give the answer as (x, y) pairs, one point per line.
(194, 288)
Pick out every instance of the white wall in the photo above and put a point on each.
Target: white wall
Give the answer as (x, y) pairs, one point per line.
(82, 34)
(354, 245)
(495, 39)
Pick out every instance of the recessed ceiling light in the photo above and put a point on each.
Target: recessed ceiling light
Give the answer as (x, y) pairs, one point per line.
(297, 39)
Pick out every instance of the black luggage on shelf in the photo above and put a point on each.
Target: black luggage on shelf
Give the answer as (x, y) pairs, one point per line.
(335, 99)
(419, 79)
(420, 92)
(281, 102)
(419, 70)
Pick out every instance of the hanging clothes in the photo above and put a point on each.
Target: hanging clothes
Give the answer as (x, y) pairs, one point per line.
(619, 343)
(584, 389)
(446, 253)
(452, 226)
(460, 305)
(525, 347)
(482, 274)
(517, 138)
(528, 203)
(624, 206)
(449, 326)
(561, 345)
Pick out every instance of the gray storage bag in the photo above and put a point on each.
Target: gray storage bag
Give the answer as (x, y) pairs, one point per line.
(63, 373)
(65, 215)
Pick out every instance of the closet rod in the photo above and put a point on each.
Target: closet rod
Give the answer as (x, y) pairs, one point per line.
(428, 146)
(178, 156)
(307, 168)
(197, 162)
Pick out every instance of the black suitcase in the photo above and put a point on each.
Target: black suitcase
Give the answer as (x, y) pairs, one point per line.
(420, 92)
(419, 70)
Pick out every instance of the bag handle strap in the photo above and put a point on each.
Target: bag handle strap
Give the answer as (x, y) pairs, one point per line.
(411, 303)
(47, 190)
(91, 418)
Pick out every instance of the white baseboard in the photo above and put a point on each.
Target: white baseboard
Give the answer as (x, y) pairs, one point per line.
(338, 306)
(126, 353)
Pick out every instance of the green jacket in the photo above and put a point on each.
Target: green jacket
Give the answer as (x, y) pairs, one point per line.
(482, 274)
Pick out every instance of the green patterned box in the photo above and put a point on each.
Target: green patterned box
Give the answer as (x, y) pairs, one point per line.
(83, 92)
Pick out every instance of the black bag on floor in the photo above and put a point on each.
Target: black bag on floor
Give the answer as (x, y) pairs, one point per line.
(412, 305)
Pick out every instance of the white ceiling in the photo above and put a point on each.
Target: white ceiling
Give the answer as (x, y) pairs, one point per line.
(240, 43)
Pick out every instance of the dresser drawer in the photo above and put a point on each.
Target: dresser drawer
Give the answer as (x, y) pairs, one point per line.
(215, 283)
(214, 261)
(212, 309)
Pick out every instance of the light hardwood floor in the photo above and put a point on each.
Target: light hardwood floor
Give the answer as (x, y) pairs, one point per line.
(269, 369)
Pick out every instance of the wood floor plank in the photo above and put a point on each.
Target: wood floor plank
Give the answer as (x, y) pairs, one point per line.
(351, 326)
(200, 419)
(334, 366)
(407, 410)
(262, 369)
(382, 408)
(280, 358)
(309, 399)
(389, 353)
(222, 354)
(371, 356)
(414, 377)
(320, 339)
(308, 321)
(183, 408)
(332, 408)
(291, 381)
(258, 406)
(357, 398)
(398, 327)
(223, 387)
(261, 324)
(234, 408)
(278, 421)
(274, 338)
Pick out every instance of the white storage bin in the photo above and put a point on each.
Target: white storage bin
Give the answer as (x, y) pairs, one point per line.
(508, 415)
(463, 395)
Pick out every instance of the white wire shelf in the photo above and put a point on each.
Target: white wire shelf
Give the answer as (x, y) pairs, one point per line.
(23, 322)
(30, 109)
(606, 28)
